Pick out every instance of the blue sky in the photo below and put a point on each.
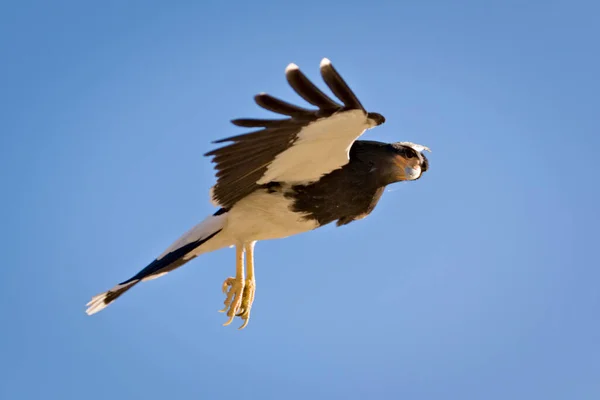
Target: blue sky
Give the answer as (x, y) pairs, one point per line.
(479, 281)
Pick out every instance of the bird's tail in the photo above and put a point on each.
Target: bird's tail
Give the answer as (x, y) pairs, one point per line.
(202, 238)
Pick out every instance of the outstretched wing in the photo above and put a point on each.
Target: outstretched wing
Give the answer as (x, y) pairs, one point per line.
(298, 149)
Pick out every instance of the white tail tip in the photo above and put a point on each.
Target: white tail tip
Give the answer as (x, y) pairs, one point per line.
(96, 304)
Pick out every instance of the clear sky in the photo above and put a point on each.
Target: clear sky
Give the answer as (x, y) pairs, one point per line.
(479, 281)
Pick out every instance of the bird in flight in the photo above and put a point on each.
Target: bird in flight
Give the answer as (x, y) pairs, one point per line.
(287, 176)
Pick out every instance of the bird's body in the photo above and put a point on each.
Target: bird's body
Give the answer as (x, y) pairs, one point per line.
(348, 193)
(291, 176)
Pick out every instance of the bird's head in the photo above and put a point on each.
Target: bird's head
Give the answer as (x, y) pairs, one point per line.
(407, 161)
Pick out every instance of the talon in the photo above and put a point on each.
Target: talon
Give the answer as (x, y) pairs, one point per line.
(235, 290)
(227, 284)
(244, 324)
(228, 299)
(240, 292)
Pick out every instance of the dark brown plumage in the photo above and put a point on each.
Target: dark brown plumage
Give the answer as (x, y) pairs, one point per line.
(290, 175)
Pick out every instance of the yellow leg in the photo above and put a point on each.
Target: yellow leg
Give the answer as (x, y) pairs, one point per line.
(250, 287)
(233, 301)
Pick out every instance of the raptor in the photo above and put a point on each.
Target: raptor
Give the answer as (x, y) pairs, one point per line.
(289, 175)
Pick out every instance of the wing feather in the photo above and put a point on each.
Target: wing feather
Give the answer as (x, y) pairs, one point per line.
(279, 106)
(264, 123)
(338, 86)
(307, 90)
(298, 149)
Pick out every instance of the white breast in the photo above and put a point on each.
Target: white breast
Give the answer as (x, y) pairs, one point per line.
(262, 216)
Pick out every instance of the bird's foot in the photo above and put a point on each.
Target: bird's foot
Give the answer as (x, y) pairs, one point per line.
(247, 300)
(240, 296)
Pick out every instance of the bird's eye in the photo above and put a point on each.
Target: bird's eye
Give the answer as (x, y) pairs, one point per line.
(409, 153)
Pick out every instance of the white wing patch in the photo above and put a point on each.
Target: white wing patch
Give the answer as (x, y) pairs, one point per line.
(321, 147)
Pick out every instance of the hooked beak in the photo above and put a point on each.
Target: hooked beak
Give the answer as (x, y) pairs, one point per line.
(407, 169)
